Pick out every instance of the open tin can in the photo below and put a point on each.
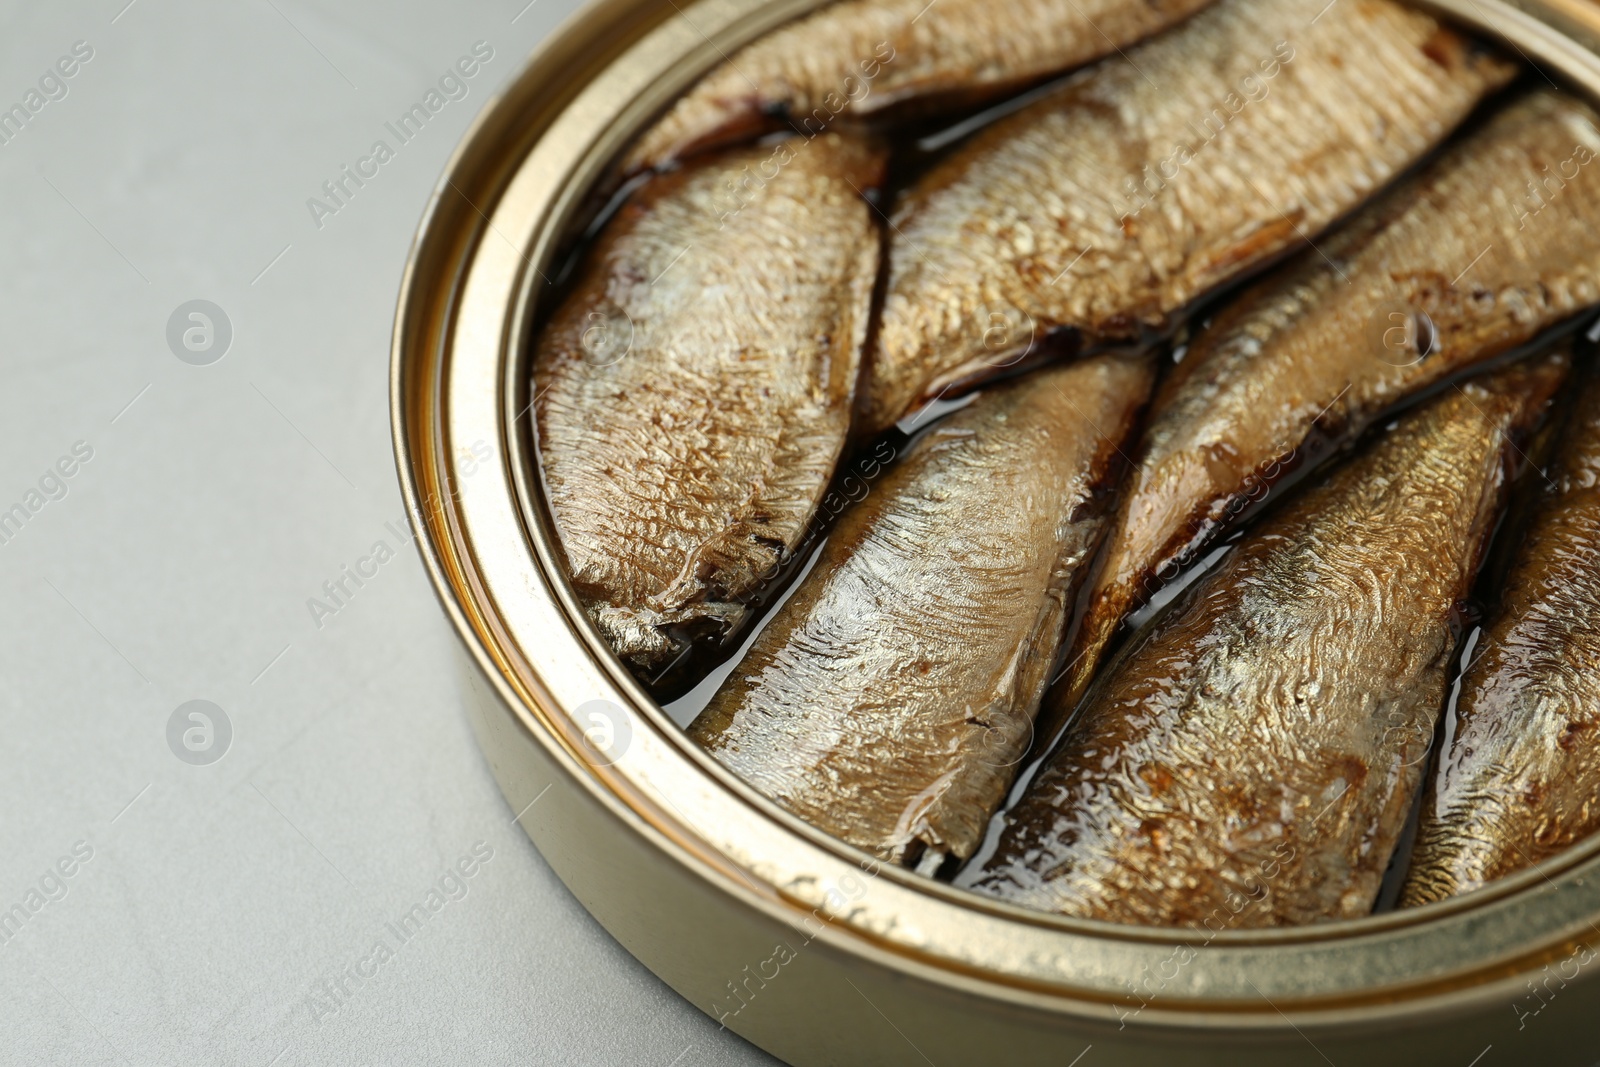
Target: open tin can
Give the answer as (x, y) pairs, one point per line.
(804, 945)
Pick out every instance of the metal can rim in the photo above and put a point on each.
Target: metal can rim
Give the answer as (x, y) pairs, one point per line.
(457, 377)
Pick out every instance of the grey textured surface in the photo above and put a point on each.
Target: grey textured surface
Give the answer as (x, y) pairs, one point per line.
(221, 899)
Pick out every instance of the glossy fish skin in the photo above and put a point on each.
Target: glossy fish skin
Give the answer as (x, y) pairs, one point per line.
(860, 59)
(694, 390)
(1263, 741)
(1038, 227)
(890, 699)
(1313, 356)
(1520, 780)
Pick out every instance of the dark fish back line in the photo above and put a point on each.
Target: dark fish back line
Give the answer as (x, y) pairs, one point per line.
(1394, 877)
(1317, 457)
(1471, 614)
(599, 208)
(1535, 463)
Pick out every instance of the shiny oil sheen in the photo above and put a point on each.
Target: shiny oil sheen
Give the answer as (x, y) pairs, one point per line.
(1520, 780)
(1252, 758)
(890, 699)
(1151, 180)
(1456, 266)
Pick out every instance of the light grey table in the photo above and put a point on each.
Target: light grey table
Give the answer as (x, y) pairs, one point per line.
(165, 910)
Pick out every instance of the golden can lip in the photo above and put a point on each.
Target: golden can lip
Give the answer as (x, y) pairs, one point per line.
(796, 941)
